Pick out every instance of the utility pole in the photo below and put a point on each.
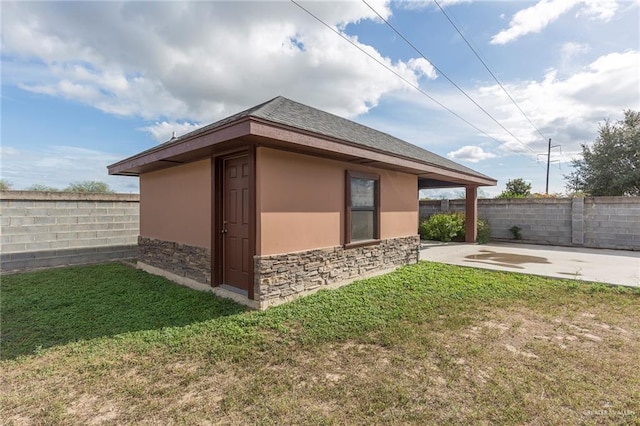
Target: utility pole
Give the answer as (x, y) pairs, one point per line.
(548, 164)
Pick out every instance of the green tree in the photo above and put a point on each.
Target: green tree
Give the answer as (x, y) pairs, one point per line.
(611, 166)
(88, 186)
(516, 188)
(461, 194)
(5, 185)
(43, 188)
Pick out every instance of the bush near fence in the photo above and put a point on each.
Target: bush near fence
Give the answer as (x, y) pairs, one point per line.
(597, 222)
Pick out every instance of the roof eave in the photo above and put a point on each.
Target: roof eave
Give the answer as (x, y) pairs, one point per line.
(181, 145)
(300, 138)
(278, 131)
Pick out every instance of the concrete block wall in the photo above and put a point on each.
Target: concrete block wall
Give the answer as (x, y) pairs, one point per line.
(599, 222)
(429, 207)
(612, 222)
(546, 220)
(41, 229)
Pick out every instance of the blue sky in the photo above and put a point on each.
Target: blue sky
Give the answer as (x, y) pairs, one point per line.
(85, 84)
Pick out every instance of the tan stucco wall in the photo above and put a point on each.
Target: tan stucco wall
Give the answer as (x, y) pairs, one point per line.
(175, 204)
(300, 202)
(398, 204)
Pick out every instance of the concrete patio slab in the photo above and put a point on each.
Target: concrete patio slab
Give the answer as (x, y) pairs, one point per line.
(618, 267)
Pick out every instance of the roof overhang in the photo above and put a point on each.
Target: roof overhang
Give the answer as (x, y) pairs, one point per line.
(260, 132)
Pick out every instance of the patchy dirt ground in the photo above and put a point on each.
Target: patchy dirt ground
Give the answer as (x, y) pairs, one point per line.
(513, 365)
(427, 344)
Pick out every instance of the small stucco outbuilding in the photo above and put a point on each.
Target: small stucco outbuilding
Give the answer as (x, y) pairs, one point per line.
(283, 199)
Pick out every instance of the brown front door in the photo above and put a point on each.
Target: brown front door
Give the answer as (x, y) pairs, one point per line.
(235, 225)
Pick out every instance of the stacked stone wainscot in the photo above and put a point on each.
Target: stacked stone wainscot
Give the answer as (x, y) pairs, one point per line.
(280, 278)
(180, 259)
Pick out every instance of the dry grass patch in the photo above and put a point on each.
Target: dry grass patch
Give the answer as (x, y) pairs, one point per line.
(513, 365)
(429, 344)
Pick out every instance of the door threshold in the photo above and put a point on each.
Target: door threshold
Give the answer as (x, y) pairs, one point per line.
(236, 290)
(237, 295)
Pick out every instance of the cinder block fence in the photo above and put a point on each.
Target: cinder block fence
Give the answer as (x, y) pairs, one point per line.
(45, 229)
(597, 222)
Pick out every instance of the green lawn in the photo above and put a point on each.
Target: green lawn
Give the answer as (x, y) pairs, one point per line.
(429, 343)
(54, 307)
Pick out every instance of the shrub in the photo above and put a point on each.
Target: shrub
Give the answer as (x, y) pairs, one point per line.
(450, 226)
(515, 231)
(43, 188)
(507, 194)
(5, 185)
(442, 227)
(543, 195)
(89, 186)
(484, 232)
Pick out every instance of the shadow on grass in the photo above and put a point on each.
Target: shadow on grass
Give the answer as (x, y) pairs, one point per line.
(54, 307)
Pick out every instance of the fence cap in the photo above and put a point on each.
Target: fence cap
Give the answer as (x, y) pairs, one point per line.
(66, 196)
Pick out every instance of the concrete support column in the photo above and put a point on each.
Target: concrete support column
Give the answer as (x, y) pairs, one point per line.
(577, 221)
(471, 214)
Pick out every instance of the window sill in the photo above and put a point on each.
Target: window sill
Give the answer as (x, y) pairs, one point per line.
(361, 244)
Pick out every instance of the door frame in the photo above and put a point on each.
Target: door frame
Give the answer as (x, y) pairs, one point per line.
(217, 214)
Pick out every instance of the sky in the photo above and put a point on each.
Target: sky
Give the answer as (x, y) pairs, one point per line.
(86, 84)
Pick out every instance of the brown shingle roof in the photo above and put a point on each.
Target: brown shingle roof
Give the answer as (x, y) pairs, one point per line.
(281, 110)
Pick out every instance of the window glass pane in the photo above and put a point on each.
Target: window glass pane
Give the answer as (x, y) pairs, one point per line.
(361, 225)
(362, 192)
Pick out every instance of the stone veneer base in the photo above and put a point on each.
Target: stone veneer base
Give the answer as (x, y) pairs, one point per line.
(307, 292)
(253, 304)
(180, 259)
(281, 278)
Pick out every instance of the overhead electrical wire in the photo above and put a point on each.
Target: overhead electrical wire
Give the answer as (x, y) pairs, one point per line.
(475, 52)
(409, 83)
(486, 66)
(396, 73)
(446, 76)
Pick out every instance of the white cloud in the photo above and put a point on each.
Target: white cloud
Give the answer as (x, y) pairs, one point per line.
(66, 89)
(571, 57)
(566, 108)
(472, 154)
(422, 66)
(569, 109)
(602, 10)
(421, 4)
(6, 151)
(198, 61)
(535, 18)
(58, 166)
(572, 49)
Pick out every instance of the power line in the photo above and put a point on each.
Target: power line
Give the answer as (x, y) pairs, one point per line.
(475, 50)
(397, 74)
(447, 77)
(402, 78)
(549, 164)
(487, 68)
